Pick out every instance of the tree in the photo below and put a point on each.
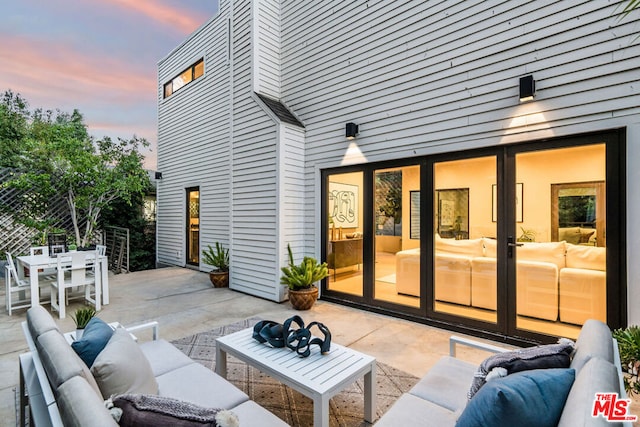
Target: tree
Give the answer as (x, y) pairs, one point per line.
(14, 116)
(57, 156)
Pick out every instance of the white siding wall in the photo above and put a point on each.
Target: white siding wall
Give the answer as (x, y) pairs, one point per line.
(254, 174)
(428, 77)
(266, 37)
(193, 141)
(292, 207)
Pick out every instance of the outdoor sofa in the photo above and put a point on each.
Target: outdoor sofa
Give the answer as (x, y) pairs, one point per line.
(440, 397)
(62, 390)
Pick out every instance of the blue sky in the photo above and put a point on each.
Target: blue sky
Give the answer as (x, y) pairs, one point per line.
(99, 56)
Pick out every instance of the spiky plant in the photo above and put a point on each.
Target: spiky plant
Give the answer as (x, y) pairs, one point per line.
(304, 275)
(82, 316)
(629, 347)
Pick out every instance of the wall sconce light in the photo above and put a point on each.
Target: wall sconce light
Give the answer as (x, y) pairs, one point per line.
(527, 88)
(158, 175)
(352, 130)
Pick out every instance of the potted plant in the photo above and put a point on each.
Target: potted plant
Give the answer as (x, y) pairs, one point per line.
(629, 346)
(219, 258)
(81, 318)
(301, 278)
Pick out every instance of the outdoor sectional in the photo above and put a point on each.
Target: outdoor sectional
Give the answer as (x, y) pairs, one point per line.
(441, 395)
(63, 391)
(555, 280)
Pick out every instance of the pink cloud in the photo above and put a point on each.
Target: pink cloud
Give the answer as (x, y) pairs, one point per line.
(174, 17)
(55, 71)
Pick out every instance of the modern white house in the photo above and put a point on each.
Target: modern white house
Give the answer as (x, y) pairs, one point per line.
(471, 165)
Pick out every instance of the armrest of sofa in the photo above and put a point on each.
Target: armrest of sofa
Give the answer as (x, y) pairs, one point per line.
(154, 326)
(455, 340)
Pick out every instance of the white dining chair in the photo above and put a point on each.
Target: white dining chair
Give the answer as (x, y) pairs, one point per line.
(39, 250)
(101, 250)
(47, 273)
(72, 273)
(17, 290)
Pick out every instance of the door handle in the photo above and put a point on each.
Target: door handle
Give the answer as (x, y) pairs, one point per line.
(511, 243)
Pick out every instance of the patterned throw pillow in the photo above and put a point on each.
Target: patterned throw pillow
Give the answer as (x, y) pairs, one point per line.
(540, 357)
(141, 410)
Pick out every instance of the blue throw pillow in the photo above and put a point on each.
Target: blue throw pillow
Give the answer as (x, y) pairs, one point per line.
(527, 398)
(94, 339)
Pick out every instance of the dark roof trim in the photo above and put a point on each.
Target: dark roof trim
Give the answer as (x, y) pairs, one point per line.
(280, 110)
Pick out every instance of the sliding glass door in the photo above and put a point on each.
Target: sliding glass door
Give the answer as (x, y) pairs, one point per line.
(524, 241)
(465, 279)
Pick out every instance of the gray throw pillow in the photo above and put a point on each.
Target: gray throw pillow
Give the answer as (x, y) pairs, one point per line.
(540, 357)
(122, 367)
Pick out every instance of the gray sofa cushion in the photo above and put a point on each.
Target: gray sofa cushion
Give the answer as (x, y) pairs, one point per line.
(122, 368)
(163, 357)
(196, 384)
(594, 341)
(60, 361)
(411, 410)
(249, 411)
(596, 376)
(40, 321)
(446, 384)
(79, 407)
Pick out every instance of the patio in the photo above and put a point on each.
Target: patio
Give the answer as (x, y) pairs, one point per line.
(184, 303)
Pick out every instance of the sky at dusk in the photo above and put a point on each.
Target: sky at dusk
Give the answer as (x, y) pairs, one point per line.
(97, 56)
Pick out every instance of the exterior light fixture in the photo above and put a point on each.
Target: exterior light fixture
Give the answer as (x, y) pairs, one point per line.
(352, 130)
(527, 88)
(158, 175)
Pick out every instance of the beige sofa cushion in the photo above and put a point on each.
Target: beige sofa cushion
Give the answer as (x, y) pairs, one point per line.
(472, 247)
(552, 252)
(490, 247)
(586, 257)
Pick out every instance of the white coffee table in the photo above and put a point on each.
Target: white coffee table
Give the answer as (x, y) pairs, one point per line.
(318, 376)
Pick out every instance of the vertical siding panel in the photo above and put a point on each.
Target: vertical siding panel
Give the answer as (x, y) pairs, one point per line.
(266, 29)
(430, 77)
(253, 173)
(193, 141)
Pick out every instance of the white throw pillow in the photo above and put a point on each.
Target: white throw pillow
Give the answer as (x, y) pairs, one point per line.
(122, 367)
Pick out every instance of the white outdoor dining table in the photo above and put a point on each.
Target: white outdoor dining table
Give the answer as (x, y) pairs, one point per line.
(36, 262)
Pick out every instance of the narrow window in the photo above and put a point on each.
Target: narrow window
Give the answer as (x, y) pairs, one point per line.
(184, 78)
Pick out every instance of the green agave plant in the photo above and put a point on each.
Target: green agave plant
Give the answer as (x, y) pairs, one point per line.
(218, 257)
(82, 316)
(304, 275)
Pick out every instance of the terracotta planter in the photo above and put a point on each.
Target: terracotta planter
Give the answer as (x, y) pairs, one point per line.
(303, 299)
(219, 279)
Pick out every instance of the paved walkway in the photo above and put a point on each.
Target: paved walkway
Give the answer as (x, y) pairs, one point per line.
(184, 302)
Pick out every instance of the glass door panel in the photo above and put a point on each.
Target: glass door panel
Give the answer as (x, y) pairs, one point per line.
(465, 249)
(560, 256)
(193, 226)
(344, 239)
(396, 214)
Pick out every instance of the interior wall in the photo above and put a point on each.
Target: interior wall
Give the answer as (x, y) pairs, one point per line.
(538, 170)
(478, 175)
(410, 182)
(353, 178)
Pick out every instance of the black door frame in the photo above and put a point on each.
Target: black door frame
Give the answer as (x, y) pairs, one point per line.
(505, 328)
(187, 228)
